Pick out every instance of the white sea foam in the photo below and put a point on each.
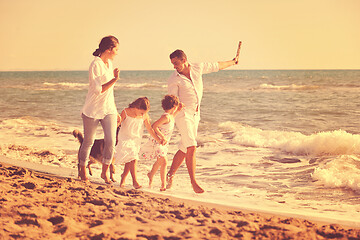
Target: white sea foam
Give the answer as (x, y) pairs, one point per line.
(336, 142)
(34, 132)
(39, 141)
(140, 85)
(84, 86)
(46, 86)
(287, 87)
(342, 171)
(45, 156)
(28, 124)
(65, 85)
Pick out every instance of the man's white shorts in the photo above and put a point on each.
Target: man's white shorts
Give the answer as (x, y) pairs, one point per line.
(188, 124)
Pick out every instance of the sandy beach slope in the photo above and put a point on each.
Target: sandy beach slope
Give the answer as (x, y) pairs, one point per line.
(35, 205)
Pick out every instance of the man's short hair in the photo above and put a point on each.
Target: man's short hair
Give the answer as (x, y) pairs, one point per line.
(178, 54)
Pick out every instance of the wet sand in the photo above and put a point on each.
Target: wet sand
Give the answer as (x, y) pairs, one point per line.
(37, 205)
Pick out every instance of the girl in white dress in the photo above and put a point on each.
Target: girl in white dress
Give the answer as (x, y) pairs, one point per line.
(164, 126)
(132, 120)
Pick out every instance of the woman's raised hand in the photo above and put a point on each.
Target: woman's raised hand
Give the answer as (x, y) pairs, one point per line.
(116, 73)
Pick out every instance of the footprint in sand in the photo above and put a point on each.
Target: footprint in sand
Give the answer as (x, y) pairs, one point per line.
(29, 185)
(56, 220)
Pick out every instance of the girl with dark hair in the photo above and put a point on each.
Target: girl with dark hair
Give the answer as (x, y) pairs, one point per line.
(100, 105)
(132, 120)
(163, 127)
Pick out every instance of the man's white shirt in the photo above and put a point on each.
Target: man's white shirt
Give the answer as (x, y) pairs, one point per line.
(190, 92)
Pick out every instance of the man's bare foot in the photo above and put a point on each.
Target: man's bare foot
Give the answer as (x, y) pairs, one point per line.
(169, 180)
(197, 188)
(105, 177)
(150, 179)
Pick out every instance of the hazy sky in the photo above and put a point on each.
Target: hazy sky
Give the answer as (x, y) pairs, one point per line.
(276, 34)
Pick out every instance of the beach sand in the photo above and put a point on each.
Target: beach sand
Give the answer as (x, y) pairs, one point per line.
(37, 205)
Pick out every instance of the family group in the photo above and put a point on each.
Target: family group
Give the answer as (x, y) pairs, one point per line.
(181, 108)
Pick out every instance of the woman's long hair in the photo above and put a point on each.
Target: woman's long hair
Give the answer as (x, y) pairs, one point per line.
(106, 43)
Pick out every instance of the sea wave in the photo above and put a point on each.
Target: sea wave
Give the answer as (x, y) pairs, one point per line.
(329, 143)
(64, 85)
(293, 87)
(82, 86)
(340, 172)
(48, 86)
(43, 156)
(33, 132)
(141, 85)
(29, 124)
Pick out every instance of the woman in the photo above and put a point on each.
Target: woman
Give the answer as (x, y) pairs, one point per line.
(100, 105)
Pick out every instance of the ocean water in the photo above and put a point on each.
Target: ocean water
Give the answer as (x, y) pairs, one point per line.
(277, 140)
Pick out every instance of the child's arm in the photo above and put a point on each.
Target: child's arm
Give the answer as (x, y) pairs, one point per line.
(179, 108)
(120, 118)
(150, 129)
(162, 120)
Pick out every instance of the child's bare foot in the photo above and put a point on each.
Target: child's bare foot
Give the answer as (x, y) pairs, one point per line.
(122, 182)
(137, 185)
(105, 177)
(169, 180)
(150, 179)
(197, 188)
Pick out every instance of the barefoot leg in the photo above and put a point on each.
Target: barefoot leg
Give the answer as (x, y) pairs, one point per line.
(133, 174)
(112, 172)
(151, 174)
(163, 165)
(191, 166)
(124, 174)
(177, 161)
(82, 173)
(89, 167)
(104, 173)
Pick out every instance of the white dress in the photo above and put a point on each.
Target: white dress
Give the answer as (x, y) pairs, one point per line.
(152, 149)
(130, 135)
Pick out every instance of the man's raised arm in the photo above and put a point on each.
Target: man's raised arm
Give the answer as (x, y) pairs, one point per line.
(226, 64)
(235, 61)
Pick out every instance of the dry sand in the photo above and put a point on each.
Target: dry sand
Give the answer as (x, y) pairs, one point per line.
(35, 205)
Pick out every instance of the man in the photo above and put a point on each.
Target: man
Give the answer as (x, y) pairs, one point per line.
(186, 83)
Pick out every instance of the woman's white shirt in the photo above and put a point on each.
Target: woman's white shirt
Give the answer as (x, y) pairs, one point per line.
(98, 105)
